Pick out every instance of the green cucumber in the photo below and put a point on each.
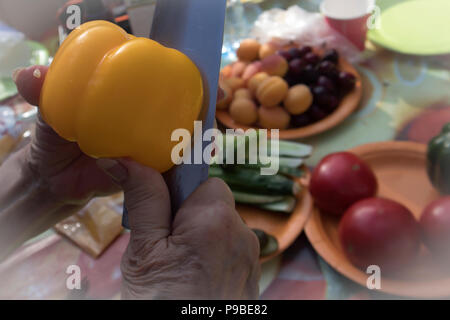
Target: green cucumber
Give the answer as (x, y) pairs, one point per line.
(251, 181)
(291, 172)
(268, 244)
(251, 198)
(294, 149)
(290, 162)
(286, 205)
(232, 143)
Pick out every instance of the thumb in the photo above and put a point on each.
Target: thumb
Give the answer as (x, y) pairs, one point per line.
(146, 198)
(29, 82)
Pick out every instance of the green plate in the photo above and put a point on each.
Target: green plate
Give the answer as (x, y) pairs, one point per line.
(420, 27)
(39, 56)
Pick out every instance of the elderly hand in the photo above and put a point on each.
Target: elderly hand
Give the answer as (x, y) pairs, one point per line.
(58, 165)
(205, 252)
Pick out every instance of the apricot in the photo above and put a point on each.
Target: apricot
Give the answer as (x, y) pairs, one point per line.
(272, 91)
(298, 99)
(275, 65)
(273, 118)
(227, 96)
(248, 50)
(242, 93)
(244, 111)
(238, 68)
(268, 49)
(255, 81)
(252, 69)
(226, 71)
(235, 83)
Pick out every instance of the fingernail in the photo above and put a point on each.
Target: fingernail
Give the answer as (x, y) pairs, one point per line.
(15, 73)
(37, 73)
(113, 168)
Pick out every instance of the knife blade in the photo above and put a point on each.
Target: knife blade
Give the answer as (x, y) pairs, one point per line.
(194, 27)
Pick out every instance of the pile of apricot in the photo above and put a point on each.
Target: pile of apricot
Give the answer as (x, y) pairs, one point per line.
(277, 88)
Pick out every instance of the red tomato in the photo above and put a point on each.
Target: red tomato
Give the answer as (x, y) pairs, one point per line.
(435, 224)
(339, 180)
(381, 232)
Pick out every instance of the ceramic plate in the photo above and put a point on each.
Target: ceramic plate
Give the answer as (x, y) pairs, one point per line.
(284, 227)
(417, 27)
(400, 168)
(348, 104)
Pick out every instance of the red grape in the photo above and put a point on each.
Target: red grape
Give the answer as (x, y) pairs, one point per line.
(305, 50)
(291, 80)
(309, 74)
(296, 67)
(331, 104)
(285, 54)
(331, 55)
(320, 93)
(312, 58)
(295, 53)
(327, 68)
(301, 120)
(327, 83)
(325, 98)
(347, 81)
(317, 113)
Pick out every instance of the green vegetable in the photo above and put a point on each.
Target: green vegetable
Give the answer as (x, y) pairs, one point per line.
(262, 237)
(290, 162)
(249, 198)
(287, 149)
(287, 171)
(286, 205)
(249, 186)
(294, 149)
(248, 180)
(292, 172)
(270, 247)
(281, 162)
(267, 243)
(266, 202)
(438, 160)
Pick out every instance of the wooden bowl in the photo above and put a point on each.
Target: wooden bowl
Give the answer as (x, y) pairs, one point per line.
(284, 227)
(400, 168)
(348, 104)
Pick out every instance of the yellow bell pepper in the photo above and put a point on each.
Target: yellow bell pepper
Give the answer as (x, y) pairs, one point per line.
(117, 95)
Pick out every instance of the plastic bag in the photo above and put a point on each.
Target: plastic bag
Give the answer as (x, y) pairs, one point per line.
(302, 27)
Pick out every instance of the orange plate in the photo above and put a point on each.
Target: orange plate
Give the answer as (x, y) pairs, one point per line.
(348, 104)
(284, 227)
(400, 168)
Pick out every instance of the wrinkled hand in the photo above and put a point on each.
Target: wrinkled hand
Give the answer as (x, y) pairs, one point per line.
(205, 252)
(57, 164)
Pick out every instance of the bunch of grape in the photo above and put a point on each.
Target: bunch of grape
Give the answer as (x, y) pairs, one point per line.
(321, 74)
(271, 86)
